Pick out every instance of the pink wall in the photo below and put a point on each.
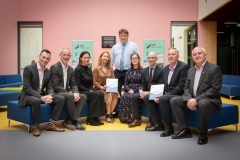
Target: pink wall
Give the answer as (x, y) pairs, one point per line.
(8, 36)
(64, 21)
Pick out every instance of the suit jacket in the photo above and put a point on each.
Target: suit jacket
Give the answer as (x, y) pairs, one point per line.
(157, 77)
(57, 79)
(178, 79)
(31, 84)
(209, 85)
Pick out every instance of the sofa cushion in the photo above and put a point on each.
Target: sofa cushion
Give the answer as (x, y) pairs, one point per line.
(12, 78)
(225, 79)
(234, 80)
(2, 80)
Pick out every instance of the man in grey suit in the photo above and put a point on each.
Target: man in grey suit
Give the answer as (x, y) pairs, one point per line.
(37, 89)
(202, 92)
(63, 82)
(153, 74)
(174, 78)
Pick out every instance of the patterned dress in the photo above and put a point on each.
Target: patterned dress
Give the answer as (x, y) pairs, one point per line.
(133, 80)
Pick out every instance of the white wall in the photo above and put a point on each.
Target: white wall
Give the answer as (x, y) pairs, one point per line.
(206, 7)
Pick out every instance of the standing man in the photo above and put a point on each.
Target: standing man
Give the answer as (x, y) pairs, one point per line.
(120, 54)
(37, 89)
(174, 78)
(202, 92)
(153, 74)
(63, 81)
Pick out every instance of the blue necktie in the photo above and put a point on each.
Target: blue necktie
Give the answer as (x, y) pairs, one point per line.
(122, 58)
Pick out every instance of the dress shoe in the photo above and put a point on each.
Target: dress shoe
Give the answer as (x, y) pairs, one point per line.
(36, 132)
(97, 120)
(135, 123)
(203, 139)
(53, 127)
(184, 133)
(79, 126)
(167, 132)
(68, 124)
(155, 127)
(149, 124)
(92, 122)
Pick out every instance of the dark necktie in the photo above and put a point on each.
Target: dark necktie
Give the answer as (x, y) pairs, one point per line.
(150, 79)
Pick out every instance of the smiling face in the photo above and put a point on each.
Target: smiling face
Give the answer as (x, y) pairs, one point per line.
(123, 37)
(135, 60)
(85, 59)
(65, 56)
(172, 56)
(152, 59)
(44, 59)
(105, 58)
(199, 56)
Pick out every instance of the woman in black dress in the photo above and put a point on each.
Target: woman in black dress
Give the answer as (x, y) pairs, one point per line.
(130, 102)
(84, 80)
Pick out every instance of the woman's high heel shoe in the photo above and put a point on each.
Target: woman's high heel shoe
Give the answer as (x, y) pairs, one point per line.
(109, 118)
(97, 120)
(92, 122)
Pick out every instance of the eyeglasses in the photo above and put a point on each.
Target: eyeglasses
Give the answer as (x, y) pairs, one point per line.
(134, 58)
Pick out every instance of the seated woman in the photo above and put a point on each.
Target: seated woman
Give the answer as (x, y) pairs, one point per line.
(130, 102)
(84, 80)
(100, 74)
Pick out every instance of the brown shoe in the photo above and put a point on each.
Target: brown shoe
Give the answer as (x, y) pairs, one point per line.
(53, 127)
(149, 125)
(36, 132)
(135, 123)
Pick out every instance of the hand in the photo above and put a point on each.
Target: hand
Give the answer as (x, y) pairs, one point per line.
(192, 104)
(157, 99)
(143, 94)
(76, 97)
(130, 91)
(47, 99)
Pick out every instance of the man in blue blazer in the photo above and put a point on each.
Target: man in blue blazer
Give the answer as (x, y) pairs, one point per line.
(174, 78)
(202, 92)
(37, 89)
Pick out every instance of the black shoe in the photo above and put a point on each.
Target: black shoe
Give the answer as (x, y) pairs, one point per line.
(68, 124)
(92, 122)
(155, 127)
(167, 132)
(79, 126)
(203, 139)
(97, 120)
(184, 133)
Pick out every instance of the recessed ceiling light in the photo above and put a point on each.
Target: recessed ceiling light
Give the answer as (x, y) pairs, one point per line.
(230, 22)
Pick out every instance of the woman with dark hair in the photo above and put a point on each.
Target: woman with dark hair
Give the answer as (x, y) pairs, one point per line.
(100, 75)
(84, 80)
(130, 108)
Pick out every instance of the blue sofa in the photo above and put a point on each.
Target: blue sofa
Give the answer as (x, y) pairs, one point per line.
(230, 85)
(6, 96)
(228, 115)
(11, 80)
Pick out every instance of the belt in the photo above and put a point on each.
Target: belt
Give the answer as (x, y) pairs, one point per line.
(121, 70)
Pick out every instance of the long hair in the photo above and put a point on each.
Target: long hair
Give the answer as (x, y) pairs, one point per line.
(139, 65)
(81, 55)
(108, 65)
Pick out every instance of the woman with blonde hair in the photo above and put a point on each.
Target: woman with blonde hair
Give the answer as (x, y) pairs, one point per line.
(100, 73)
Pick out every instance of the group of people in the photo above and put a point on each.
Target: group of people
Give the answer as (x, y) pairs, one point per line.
(184, 88)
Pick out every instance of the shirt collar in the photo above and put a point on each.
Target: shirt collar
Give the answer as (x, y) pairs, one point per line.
(173, 67)
(64, 67)
(201, 65)
(124, 43)
(39, 67)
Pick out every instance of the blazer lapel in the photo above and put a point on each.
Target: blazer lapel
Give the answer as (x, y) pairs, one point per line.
(176, 70)
(37, 75)
(68, 78)
(192, 77)
(165, 76)
(205, 68)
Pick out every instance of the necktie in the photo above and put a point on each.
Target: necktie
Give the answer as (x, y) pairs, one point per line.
(150, 79)
(122, 58)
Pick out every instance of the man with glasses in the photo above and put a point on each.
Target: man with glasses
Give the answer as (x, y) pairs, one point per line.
(202, 92)
(120, 55)
(153, 74)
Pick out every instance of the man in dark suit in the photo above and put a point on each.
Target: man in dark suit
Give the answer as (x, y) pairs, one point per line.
(174, 78)
(153, 74)
(63, 82)
(202, 92)
(37, 89)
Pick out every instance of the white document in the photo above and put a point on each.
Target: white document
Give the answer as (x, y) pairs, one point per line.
(156, 90)
(112, 85)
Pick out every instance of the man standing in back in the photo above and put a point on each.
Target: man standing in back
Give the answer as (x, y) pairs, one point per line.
(63, 82)
(37, 89)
